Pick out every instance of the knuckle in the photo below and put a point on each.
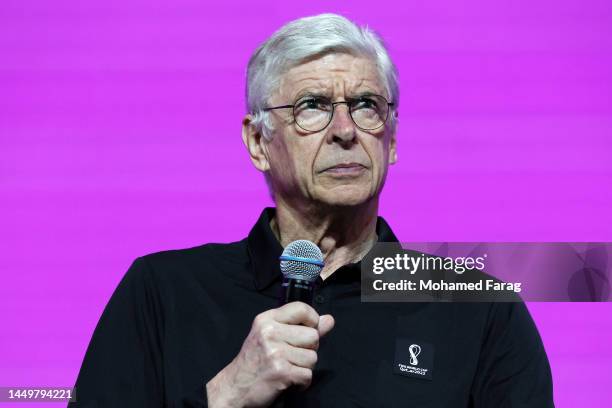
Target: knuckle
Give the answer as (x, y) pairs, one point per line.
(313, 357)
(273, 354)
(279, 368)
(313, 335)
(300, 309)
(312, 338)
(306, 378)
(294, 313)
(259, 320)
(308, 311)
(303, 307)
(267, 331)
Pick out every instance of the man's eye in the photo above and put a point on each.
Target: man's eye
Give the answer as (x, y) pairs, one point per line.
(311, 104)
(314, 103)
(365, 103)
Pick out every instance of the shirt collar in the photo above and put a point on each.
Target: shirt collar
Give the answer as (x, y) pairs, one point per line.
(264, 249)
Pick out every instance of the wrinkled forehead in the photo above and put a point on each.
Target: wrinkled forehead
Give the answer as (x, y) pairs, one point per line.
(333, 75)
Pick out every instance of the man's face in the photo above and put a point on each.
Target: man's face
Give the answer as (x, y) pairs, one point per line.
(341, 164)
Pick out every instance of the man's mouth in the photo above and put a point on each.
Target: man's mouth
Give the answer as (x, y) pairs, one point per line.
(347, 169)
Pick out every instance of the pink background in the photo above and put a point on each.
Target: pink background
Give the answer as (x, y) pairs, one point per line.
(120, 136)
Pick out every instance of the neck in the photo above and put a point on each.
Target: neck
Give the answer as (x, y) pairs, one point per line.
(344, 234)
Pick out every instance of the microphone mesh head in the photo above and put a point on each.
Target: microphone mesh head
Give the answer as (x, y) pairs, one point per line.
(301, 269)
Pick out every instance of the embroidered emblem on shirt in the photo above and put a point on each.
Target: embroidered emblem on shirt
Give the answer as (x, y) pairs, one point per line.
(413, 358)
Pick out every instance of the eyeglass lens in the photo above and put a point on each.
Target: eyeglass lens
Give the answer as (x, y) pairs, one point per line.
(314, 113)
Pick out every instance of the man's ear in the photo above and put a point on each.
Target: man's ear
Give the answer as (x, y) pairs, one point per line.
(254, 142)
(393, 147)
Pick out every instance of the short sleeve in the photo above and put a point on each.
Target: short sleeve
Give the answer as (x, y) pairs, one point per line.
(513, 369)
(123, 362)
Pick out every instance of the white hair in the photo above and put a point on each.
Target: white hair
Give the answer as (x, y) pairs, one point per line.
(304, 39)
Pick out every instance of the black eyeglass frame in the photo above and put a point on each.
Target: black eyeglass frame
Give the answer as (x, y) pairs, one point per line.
(333, 104)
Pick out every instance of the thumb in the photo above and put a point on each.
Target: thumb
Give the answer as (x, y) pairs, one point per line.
(326, 323)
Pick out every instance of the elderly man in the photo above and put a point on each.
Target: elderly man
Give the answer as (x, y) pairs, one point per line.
(202, 326)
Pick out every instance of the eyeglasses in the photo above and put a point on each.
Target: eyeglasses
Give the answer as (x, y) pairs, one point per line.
(315, 113)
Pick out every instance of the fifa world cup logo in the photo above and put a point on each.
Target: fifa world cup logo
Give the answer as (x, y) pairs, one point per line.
(414, 351)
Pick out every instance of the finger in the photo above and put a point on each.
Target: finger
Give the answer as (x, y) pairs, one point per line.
(297, 313)
(326, 323)
(300, 376)
(298, 336)
(301, 357)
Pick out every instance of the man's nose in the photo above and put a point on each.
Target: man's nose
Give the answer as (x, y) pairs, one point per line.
(342, 128)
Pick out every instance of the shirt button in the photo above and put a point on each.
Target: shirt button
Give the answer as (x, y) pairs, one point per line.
(320, 299)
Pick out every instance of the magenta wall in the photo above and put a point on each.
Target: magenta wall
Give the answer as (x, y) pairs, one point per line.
(120, 135)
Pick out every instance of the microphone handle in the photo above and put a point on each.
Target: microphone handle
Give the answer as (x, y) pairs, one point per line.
(293, 290)
(296, 290)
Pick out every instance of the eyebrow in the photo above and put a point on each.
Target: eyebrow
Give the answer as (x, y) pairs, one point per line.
(325, 94)
(311, 92)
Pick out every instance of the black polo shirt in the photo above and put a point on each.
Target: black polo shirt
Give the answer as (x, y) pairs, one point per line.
(178, 317)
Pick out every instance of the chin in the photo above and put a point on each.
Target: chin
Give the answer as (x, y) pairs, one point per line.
(345, 196)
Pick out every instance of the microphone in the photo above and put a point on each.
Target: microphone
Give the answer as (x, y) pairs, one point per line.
(301, 264)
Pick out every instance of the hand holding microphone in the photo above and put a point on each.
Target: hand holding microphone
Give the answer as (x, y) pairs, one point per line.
(281, 349)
